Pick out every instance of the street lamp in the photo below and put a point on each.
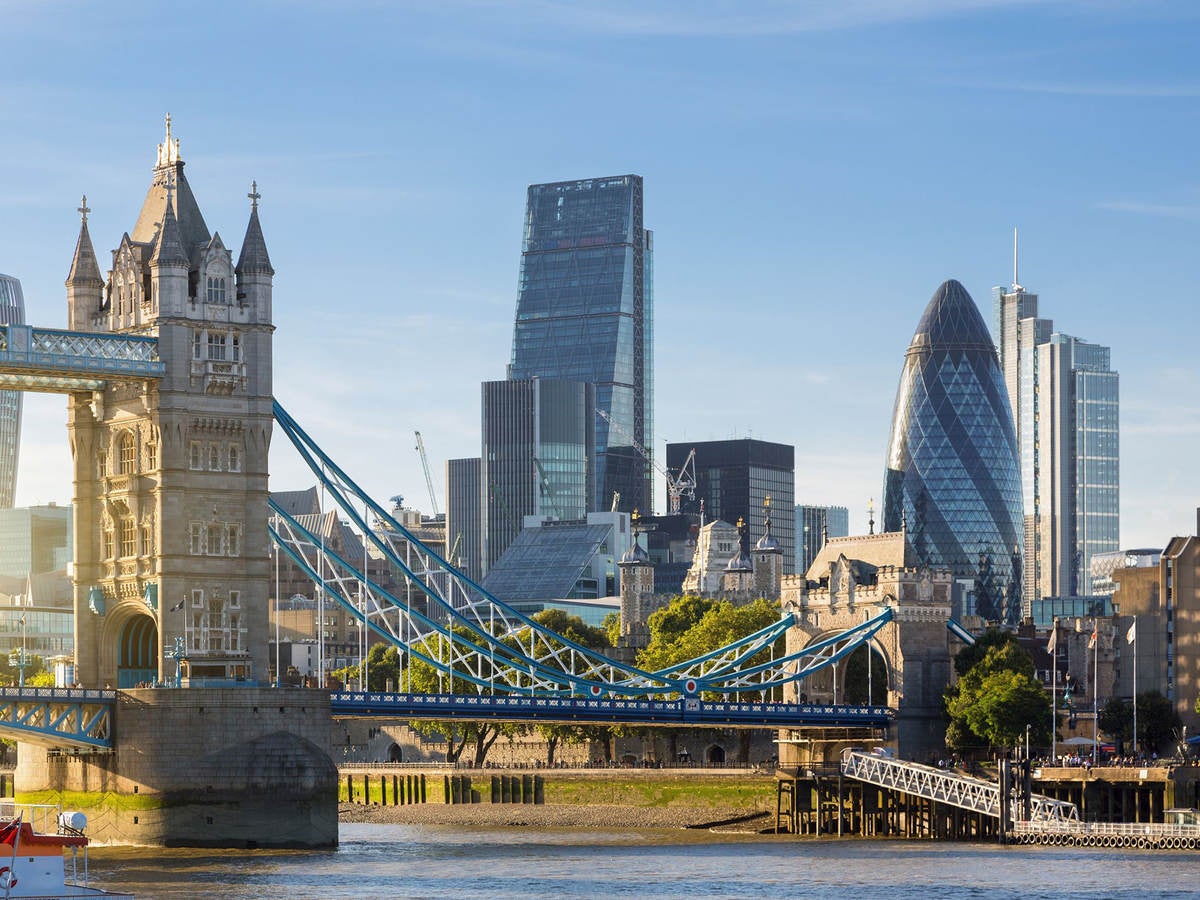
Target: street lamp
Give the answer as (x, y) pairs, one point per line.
(1027, 727)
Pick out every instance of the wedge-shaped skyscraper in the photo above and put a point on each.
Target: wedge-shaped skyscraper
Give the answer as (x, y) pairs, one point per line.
(952, 478)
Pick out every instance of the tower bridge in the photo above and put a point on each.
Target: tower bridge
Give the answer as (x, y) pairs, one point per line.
(167, 368)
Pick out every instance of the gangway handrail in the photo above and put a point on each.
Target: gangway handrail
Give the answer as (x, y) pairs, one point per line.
(953, 788)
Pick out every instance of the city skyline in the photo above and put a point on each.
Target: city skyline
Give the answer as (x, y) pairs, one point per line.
(800, 165)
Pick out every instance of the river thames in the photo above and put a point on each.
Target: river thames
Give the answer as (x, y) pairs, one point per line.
(453, 861)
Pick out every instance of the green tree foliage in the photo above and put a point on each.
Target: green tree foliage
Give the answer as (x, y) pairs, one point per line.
(575, 629)
(1157, 722)
(994, 700)
(612, 627)
(384, 666)
(992, 637)
(691, 626)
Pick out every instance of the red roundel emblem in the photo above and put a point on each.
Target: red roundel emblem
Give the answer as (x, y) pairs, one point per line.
(595, 689)
(690, 685)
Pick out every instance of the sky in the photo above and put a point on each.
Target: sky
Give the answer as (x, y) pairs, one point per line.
(813, 171)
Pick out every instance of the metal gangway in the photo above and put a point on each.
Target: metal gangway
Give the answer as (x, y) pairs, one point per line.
(952, 788)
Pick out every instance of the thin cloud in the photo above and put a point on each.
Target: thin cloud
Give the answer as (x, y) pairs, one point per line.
(726, 18)
(1166, 210)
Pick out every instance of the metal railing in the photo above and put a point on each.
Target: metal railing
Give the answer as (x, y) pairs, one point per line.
(952, 788)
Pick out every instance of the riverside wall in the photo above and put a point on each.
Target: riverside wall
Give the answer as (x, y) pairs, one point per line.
(233, 767)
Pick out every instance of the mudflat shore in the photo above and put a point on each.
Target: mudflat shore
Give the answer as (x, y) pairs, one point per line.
(554, 815)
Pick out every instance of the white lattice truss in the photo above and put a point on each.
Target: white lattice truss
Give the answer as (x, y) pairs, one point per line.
(443, 618)
(954, 789)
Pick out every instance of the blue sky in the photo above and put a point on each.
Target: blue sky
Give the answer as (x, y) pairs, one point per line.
(814, 170)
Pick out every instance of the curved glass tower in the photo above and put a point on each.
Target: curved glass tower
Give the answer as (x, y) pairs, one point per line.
(953, 480)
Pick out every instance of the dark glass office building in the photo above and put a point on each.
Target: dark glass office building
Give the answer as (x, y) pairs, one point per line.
(813, 525)
(735, 477)
(12, 312)
(585, 313)
(537, 434)
(463, 516)
(952, 475)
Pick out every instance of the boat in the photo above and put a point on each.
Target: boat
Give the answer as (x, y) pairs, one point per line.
(35, 864)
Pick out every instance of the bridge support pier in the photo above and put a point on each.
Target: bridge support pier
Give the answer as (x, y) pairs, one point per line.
(233, 767)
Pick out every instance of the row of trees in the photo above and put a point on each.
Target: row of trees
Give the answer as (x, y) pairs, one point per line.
(997, 695)
(684, 629)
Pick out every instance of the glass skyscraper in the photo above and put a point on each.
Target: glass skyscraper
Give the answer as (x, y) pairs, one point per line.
(1065, 402)
(536, 437)
(585, 313)
(735, 477)
(12, 312)
(813, 524)
(952, 479)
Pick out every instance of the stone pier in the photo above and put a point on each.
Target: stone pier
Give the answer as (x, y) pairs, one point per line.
(244, 767)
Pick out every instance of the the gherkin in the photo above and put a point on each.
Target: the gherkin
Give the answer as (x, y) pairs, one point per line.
(953, 480)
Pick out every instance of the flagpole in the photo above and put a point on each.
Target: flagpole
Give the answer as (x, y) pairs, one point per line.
(1095, 688)
(1054, 693)
(1133, 631)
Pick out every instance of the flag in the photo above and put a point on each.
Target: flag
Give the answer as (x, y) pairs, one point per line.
(1092, 639)
(11, 832)
(178, 606)
(1053, 644)
(1132, 633)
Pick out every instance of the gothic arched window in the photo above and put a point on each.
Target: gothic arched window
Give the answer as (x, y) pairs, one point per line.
(127, 452)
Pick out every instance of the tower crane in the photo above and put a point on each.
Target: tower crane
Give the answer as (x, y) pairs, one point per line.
(680, 485)
(428, 477)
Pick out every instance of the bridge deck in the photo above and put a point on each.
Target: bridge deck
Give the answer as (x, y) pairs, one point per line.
(683, 712)
(58, 717)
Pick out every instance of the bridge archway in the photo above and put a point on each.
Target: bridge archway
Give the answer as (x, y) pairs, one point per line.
(137, 651)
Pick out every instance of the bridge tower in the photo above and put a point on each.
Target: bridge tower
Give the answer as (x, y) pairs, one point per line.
(170, 478)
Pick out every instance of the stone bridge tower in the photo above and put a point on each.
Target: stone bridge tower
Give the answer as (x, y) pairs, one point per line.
(171, 476)
(853, 579)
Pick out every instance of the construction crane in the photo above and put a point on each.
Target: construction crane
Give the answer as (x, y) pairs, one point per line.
(428, 477)
(544, 487)
(678, 486)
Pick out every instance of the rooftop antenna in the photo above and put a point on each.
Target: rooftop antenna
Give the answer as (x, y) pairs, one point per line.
(1016, 282)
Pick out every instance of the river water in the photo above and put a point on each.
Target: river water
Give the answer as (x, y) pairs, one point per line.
(395, 861)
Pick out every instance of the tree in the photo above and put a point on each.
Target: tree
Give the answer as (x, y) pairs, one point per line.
(1158, 723)
(689, 627)
(575, 629)
(383, 669)
(995, 699)
(612, 627)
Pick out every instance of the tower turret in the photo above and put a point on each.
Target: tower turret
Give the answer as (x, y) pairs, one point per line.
(169, 265)
(254, 271)
(85, 286)
(768, 561)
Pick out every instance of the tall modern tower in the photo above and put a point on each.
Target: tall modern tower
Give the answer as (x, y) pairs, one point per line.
(536, 438)
(813, 525)
(1065, 403)
(585, 313)
(734, 478)
(12, 312)
(952, 481)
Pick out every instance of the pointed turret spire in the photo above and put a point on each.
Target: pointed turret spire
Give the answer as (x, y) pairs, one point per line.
(254, 259)
(169, 249)
(85, 271)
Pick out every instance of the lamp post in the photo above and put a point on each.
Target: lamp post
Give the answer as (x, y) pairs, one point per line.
(1027, 727)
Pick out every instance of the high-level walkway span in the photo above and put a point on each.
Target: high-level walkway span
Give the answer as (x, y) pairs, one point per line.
(52, 360)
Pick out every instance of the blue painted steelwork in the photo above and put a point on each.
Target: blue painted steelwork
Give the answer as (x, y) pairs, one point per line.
(58, 717)
(56, 361)
(689, 711)
(467, 634)
(959, 631)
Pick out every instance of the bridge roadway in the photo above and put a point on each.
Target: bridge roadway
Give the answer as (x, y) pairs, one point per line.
(84, 719)
(688, 711)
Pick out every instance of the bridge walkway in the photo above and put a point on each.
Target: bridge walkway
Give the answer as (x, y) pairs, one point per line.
(952, 788)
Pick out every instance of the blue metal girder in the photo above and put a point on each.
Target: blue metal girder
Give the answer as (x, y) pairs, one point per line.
(56, 361)
(58, 717)
(684, 712)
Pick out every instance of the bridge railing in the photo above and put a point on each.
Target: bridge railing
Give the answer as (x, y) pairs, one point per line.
(952, 788)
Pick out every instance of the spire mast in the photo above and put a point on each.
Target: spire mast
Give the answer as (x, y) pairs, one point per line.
(1016, 286)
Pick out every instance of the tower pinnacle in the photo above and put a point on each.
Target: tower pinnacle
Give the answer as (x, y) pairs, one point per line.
(168, 150)
(254, 195)
(83, 209)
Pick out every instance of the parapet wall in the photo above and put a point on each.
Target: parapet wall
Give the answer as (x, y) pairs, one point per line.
(231, 767)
